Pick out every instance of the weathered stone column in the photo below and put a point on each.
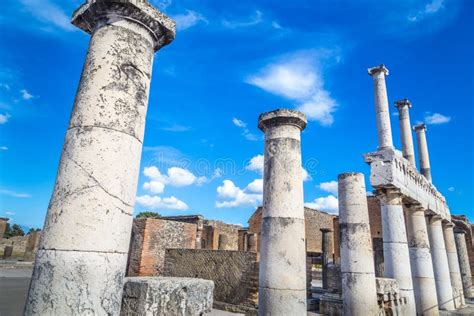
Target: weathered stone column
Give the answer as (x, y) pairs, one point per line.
(463, 258)
(252, 242)
(454, 270)
(82, 258)
(384, 129)
(439, 255)
(359, 291)
(421, 262)
(282, 281)
(395, 245)
(327, 250)
(408, 150)
(423, 156)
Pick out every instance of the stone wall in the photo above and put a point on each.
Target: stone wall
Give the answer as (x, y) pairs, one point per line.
(231, 233)
(149, 241)
(20, 245)
(375, 216)
(235, 273)
(463, 224)
(3, 226)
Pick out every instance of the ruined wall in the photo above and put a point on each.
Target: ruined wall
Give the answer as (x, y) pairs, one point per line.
(235, 273)
(21, 244)
(375, 216)
(314, 221)
(230, 231)
(149, 241)
(3, 226)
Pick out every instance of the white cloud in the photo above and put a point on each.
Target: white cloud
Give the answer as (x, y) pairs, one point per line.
(276, 25)
(176, 177)
(328, 204)
(189, 19)
(162, 4)
(10, 213)
(14, 194)
(306, 176)
(179, 177)
(176, 128)
(298, 77)
(26, 95)
(156, 202)
(5, 86)
(430, 9)
(436, 118)
(256, 164)
(3, 148)
(330, 187)
(154, 186)
(4, 118)
(229, 195)
(255, 19)
(48, 13)
(256, 186)
(451, 189)
(245, 131)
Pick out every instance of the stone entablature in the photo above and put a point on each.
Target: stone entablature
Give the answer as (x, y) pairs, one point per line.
(390, 170)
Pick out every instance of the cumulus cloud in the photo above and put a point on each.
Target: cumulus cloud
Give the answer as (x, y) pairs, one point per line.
(255, 19)
(256, 164)
(156, 202)
(25, 95)
(49, 13)
(229, 195)
(188, 20)
(328, 204)
(298, 77)
(245, 131)
(330, 187)
(4, 118)
(436, 118)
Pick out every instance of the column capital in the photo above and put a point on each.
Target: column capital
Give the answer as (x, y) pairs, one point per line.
(400, 104)
(282, 117)
(377, 69)
(96, 13)
(448, 225)
(420, 127)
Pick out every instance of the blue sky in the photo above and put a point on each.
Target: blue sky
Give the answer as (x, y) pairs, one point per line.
(231, 61)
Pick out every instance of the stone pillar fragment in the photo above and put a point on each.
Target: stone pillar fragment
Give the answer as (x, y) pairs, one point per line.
(252, 242)
(464, 266)
(282, 279)
(421, 263)
(453, 262)
(423, 155)
(82, 257)
(327, 250)
(408, 150)
(395, 245)
(223, 242)
(357, 268)
(439, 255)
(384, 129)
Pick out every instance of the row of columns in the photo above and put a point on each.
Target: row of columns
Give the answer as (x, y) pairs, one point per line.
(419, 251)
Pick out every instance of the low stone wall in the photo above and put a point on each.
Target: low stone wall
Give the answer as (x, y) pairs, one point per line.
(235, 273)
(21, 244)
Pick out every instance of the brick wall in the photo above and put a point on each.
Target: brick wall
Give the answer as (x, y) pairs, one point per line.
(149, 241)
(235, 273)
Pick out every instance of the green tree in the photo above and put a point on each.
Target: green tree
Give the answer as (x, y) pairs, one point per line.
(148, 215)
(32, 230)
(13, 231)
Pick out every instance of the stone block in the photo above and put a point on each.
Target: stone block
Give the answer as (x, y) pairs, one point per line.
(166, 296)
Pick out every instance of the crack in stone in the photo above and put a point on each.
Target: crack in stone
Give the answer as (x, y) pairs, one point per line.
(275, 289)
(106, 127)
(76, 250)
(99, 185)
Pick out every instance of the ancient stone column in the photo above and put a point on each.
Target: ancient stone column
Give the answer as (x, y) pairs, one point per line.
(359, 292)
(327, 250)
(463, 258)
(252, 242)
(82, 257)
(395, 245)
(282, 280)
(423, 156)
(439, 255)
(454, 270)
(223, 242)
(424, 285)
(408, 150)
(384, 129)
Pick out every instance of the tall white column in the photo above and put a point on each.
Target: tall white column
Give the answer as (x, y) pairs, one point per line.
(464, 266)
(357, 264)
(82, 257)
(439, 255)
(408, 150)
(454, 270)
(395, 245)
(421, 263)
(384, 129)
(282, 280)
(423, 155)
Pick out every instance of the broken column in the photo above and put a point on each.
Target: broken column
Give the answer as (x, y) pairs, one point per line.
(408, 150)
(327, 250)
(453, 263)
(464, 266)
(439, 255)
(424, 285)
(282, 279)
(357, 267)
(384, 129)
(423, 156)
(395, 244)
(82, 257)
